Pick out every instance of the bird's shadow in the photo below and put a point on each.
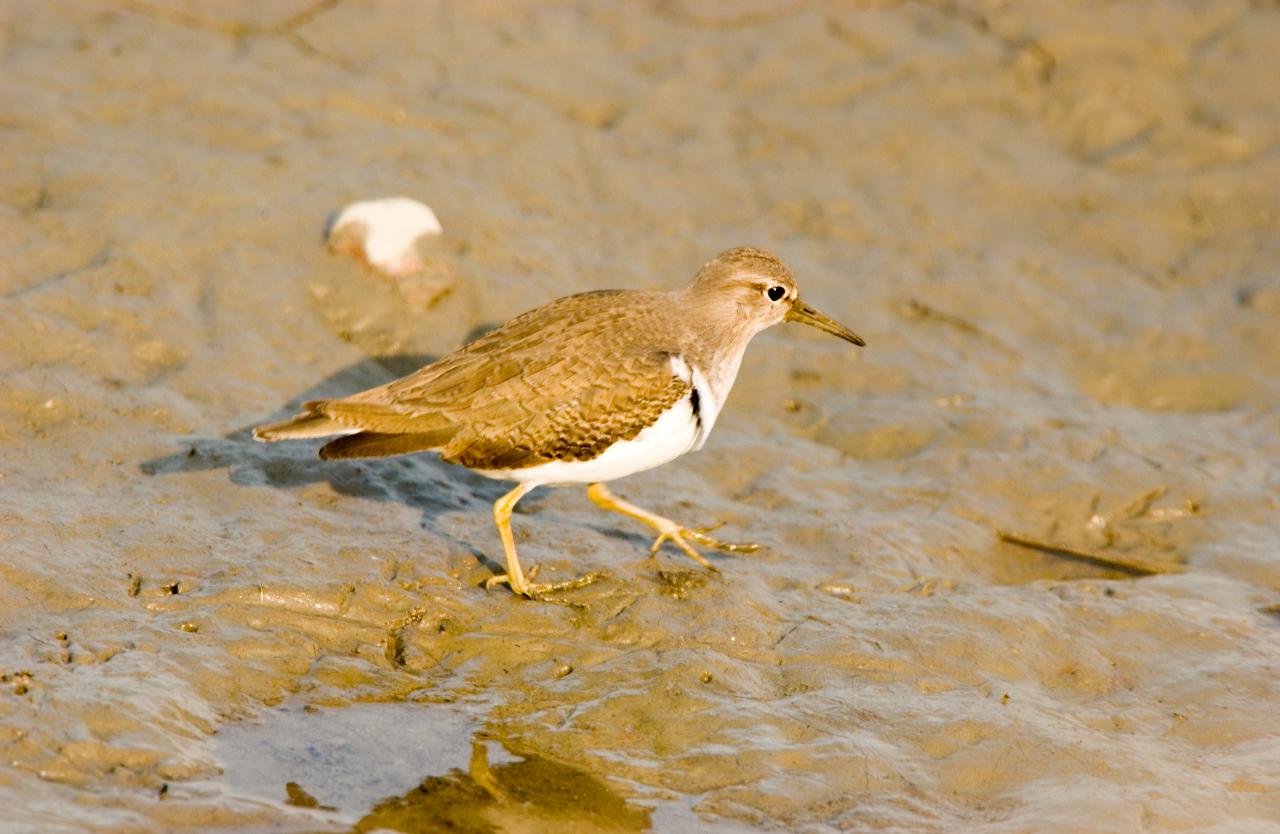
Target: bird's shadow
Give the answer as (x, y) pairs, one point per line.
(422, 481)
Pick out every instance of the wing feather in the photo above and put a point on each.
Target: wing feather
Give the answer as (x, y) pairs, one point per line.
(562, 382)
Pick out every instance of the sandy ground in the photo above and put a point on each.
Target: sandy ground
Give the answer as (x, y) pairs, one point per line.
(1056, 223)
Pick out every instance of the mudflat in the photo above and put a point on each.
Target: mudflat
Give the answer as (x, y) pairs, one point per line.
(1020, 567)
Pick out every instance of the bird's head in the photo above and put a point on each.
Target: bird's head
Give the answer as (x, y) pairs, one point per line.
(762, 291)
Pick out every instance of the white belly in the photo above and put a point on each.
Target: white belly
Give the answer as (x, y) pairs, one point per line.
(675, 432)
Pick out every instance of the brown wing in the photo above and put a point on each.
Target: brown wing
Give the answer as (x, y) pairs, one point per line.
(562, 382)
(574, 422)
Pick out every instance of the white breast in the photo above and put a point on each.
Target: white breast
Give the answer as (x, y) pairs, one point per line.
(676, 431)
(708, 406)
(705, 400)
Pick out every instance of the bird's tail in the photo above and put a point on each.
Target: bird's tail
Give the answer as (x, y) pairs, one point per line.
(361, 440)
(310, 423)
(369, 444)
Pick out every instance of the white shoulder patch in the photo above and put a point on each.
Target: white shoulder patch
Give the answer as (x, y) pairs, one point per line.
(680, 368)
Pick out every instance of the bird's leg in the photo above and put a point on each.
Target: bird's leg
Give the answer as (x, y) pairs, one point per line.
(502, 508)
(480, 772)
(515, 577)
(667, 529)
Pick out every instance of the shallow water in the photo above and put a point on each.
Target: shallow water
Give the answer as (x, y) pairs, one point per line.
(1056, 226)
(340, 761)
(418, 767)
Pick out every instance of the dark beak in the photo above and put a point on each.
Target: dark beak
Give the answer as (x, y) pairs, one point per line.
(805, 314)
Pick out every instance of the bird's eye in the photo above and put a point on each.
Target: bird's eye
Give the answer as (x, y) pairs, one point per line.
(776, 292)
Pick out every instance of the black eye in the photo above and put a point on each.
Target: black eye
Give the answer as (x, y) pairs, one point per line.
(776, 293)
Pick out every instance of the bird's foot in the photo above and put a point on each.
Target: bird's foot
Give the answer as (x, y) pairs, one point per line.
(543, 590)
(670, 531)
(667, 529)
(699, 535)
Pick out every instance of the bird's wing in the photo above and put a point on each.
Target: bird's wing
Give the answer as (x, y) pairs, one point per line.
(562, 382)
(574, 416)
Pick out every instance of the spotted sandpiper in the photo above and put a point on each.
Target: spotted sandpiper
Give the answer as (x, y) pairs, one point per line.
(584, 390)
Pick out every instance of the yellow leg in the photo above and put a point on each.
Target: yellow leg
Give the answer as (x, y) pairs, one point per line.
(667, 529)
(481, 774)
(514, 576)
(502, 517)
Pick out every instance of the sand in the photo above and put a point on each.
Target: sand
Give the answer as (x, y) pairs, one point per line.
(1056, 224)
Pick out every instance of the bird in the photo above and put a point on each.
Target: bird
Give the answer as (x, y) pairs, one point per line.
(586, 389)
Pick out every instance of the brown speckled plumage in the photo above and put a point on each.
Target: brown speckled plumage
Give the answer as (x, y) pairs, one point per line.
(561, 382)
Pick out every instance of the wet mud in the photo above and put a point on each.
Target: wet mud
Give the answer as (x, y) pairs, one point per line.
(1020, 554)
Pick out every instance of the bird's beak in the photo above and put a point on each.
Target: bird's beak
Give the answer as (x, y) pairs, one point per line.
(805, 314)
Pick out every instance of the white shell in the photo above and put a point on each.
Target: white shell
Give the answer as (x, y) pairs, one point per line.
(383, 233)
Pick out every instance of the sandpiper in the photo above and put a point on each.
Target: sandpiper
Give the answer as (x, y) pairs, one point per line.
(584, 390)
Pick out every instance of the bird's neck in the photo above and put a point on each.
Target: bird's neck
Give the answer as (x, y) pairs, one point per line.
(716, 337)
